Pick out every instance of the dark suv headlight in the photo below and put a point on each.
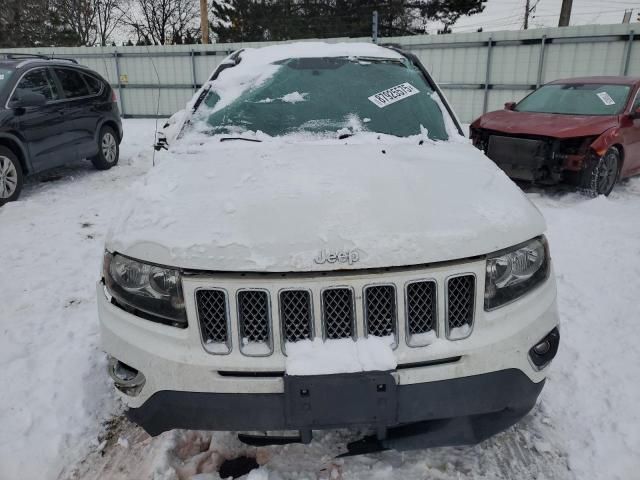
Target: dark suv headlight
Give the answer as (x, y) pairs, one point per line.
(514, 272)
(151, 291)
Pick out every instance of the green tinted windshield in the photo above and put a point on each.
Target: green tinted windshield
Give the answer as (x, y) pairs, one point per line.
(329, 95)
(576, 99)
(5, 75)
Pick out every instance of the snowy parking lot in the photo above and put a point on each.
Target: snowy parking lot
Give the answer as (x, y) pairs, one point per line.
(60, 417)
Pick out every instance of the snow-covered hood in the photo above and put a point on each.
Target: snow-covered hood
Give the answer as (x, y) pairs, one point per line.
(284, 207)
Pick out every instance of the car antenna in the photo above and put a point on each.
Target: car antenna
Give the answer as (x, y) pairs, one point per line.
(155, 131)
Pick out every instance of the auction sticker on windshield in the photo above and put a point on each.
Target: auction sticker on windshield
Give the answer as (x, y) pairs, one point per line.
(393, 94)
(606, 98)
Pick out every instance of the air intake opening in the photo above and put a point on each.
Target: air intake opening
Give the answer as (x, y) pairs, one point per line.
(421, 310)
(338, 312)
(380, 310)
(254, 317)
(213, 315)
(296, 315)
(461, 293)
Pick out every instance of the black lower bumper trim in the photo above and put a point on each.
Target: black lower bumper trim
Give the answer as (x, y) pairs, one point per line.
(448, 412)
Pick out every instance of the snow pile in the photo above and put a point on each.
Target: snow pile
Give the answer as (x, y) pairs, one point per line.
(423, 339)
(460, 332)
(318, 357)
(294, 97)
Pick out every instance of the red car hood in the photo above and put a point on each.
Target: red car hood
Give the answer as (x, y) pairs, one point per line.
(545, 124)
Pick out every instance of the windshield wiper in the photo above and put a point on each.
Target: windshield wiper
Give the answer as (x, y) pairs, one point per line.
(227, 139)
(342, 136)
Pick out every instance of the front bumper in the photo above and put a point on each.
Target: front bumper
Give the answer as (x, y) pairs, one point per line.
(448, 412)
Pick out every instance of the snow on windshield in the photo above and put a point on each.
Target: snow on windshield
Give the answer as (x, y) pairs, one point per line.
(259, 64)
(323, 89)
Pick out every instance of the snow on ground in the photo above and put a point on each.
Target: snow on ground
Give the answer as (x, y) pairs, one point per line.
(54, 394)
(55, 397)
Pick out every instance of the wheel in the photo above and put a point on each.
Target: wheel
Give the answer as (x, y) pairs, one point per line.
(600, 174)
(10, 176)
(108, 149)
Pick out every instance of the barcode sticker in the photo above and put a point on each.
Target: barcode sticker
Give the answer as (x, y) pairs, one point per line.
(606, 98)
(393, 94)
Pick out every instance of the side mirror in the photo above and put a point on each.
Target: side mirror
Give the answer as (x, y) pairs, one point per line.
(510, 105)
(28, 99)
(635, 114)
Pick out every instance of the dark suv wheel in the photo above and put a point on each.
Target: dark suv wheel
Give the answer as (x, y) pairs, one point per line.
(108, 149)
(10, 176)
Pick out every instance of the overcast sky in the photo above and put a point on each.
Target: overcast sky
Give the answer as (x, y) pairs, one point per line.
(509, 14)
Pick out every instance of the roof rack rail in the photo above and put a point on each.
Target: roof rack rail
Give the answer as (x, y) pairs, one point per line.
(27, 56)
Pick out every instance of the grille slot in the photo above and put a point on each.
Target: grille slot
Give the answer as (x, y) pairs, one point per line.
(213, 315)
(460, 305)
(338, 312)
(380, 310)
(296, 315)
(421, 308)
(254, 322)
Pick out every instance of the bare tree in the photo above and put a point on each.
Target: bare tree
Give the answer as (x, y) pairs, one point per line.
(109, 16)
(162, 21)
(80, 17)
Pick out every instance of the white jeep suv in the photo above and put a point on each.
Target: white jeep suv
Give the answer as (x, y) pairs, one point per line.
(320, 247)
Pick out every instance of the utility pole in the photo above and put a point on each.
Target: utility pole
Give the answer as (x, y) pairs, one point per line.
(528, 10)
(374, 27)
(204, 21)
(565, 13)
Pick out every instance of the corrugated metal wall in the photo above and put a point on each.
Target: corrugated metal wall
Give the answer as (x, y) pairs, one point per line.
(477, 71)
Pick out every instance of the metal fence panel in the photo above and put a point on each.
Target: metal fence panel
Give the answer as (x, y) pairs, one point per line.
(478, 71)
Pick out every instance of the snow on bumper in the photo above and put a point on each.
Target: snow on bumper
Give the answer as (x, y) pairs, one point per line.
(174, 359)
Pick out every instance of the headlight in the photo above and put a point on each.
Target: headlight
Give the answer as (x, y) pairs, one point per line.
(515, 272)
(150, 289)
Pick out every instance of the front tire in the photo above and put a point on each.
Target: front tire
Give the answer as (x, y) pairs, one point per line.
(600, 174)
(108, 149)
(11, 177)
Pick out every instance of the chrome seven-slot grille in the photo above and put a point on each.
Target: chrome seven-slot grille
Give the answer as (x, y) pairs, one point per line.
(337, 313)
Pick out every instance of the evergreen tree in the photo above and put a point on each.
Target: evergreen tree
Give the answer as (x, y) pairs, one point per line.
(255, 20)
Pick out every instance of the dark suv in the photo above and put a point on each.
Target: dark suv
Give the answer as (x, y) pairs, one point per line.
(53, 111)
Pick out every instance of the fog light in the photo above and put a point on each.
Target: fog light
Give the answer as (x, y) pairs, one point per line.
(542, 347)
(126, 379)
(545, 350)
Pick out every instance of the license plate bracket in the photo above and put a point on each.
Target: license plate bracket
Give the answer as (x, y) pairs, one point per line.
(333, 401)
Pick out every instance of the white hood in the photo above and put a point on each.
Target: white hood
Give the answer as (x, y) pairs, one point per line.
(274, 206)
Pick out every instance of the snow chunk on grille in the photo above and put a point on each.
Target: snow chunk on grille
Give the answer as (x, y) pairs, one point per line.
(343, 355)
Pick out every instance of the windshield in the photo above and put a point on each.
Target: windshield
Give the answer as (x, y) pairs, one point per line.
(5, 75)
(336, 96)
(576, 99)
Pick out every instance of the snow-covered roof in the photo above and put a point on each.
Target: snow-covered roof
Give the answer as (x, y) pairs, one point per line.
(275, 53)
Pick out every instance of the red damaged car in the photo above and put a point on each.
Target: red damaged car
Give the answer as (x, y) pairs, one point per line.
(581, 131)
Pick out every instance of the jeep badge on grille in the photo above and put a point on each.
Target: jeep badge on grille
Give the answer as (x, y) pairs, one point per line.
(342, 256)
